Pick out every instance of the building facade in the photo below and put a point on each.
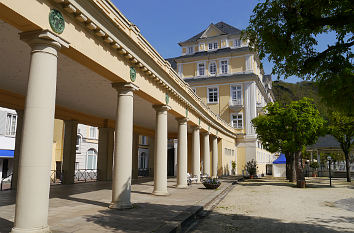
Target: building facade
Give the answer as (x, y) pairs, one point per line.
(227, 76)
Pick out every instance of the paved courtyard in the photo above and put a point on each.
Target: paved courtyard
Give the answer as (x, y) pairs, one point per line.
(275, 206)
(84, 207)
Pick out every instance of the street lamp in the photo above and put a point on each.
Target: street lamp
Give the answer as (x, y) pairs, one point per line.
(329, 158)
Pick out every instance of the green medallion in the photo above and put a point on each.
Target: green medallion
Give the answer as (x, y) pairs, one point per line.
(56, 21)
(132, 74)
(199, 121)
(209, 129)
(186, 112)
(167, 99)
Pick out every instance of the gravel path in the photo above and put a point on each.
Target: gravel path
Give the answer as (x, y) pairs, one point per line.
(274, 205)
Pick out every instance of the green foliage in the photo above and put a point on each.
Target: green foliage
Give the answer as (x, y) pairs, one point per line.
(251, 167)
(315, 165)
(287, 32)
(289, 128)
(233, 164)
(285, 93)
(341, 127)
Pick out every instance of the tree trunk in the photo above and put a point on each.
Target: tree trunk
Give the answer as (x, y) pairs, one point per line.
(287, 167)
(293, 168)
(300, 178)
(347, 165)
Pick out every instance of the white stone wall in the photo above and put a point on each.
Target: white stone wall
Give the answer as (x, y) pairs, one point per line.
(87, 143)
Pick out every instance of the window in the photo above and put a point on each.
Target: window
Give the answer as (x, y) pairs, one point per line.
(237, 121)
(210, 46)
(144, 140)
(236, 94)
(11, 123)
(190, 49)
(93, 132)
(237, 43)
(143, 161)
(249, 63)
(215, 45)
(91, 159)
(212, 95)
(201, 69)
(78, 142)
(212, 68)
(224, 67)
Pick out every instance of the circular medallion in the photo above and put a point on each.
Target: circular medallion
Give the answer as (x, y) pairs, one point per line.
(132, 74)
(186, 112)
(167, 99)
(56, 21)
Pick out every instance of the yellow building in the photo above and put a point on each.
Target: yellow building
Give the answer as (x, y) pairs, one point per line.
(226, 75)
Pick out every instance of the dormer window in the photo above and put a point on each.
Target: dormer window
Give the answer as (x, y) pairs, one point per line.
(238, 43)
(210, 46)
(215, 45)
(190, 50)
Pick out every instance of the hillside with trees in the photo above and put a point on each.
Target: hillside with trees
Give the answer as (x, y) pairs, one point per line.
(286, 92)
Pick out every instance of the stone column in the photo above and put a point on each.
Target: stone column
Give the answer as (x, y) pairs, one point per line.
(250, 107)
(122, 157)
(160, 158)
(206, 151)
(182, 153)
(105, 154)
(196, 153)
(215, 156)
(135, 165)
(69, 151)
(32, 197)
(17, 148)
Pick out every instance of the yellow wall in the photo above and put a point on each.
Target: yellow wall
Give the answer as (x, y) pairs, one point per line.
(241, 159)
(58, 139)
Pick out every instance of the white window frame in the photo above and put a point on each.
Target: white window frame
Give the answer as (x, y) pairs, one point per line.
(94, 155)
(93, 134)
(204, 71)
(78, 143)
(227, 63)
(237, 43)
(216, 68)
(217, 45)
(11, 124)
(217, 95)
(212, 43)
(231, 94)
(232, 120)
(190, 50)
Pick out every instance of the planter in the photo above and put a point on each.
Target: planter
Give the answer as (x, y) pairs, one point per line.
(211, 186)
(251, 176)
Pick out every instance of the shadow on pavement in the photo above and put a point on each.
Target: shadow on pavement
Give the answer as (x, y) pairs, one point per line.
(218, 222)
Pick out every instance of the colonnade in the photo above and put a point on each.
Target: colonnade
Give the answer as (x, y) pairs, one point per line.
(38, 124)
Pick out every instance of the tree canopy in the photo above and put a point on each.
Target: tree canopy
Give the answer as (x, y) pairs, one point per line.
(287, 32)
(289, 128)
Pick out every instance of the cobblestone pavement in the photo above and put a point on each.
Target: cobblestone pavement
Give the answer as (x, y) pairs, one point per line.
(276, 206)
(84, 207)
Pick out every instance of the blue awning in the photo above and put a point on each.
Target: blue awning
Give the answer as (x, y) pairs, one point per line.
(6, 153)
(280, 160)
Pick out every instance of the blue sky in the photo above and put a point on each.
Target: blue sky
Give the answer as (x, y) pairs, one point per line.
(164, 23)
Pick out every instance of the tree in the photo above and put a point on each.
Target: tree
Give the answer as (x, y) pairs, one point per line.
(288, 32)
(290, 128)
(342, 128)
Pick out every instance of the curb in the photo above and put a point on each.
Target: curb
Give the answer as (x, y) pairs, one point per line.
(182, 221)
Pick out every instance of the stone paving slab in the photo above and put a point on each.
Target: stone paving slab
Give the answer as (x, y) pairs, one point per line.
(84, 207)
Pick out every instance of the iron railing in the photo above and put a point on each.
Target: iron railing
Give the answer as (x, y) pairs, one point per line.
(56, 176)
(85, 175)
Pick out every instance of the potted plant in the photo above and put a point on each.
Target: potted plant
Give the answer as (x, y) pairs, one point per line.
(314, 166)
(233, 164)
(211, 183)
(251, 168)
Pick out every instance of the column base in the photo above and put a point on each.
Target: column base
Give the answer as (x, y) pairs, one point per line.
(182, 186)
(120, 206)
(31, 230)
(160, 193)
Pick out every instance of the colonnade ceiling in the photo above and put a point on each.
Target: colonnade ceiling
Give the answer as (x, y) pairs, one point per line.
(78, 88)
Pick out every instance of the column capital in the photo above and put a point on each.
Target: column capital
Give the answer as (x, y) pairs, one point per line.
(205, 133)
(182, 120)
(40, 37)
(161, 107)
(124, 87)
(195, 127)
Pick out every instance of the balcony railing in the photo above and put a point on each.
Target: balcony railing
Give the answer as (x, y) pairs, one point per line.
(85, 175)
(235, 104)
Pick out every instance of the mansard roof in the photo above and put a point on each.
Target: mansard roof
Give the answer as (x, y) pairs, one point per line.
(224, 28)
